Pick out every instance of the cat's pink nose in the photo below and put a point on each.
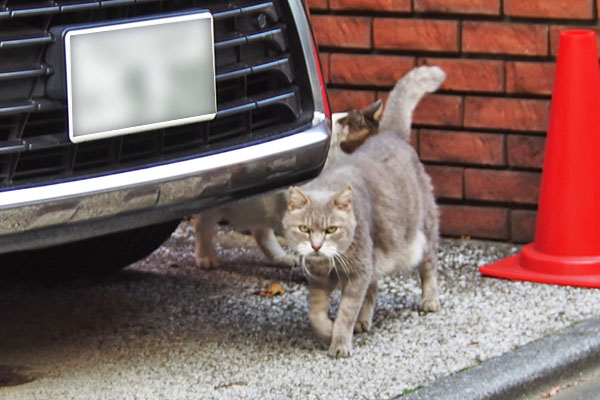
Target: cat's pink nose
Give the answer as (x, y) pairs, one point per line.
(316, 247)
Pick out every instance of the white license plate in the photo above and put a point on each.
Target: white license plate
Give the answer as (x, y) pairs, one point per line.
(137, 76)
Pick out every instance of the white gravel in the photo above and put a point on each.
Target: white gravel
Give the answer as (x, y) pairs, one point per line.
(167, 330)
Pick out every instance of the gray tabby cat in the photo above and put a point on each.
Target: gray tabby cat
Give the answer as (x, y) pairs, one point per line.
(263, 214)
(367, 216)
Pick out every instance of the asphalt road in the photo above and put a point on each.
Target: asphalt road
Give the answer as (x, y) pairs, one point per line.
(583, 386)
(164, 329)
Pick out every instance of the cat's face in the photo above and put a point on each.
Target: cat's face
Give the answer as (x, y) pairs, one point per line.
(320, 224)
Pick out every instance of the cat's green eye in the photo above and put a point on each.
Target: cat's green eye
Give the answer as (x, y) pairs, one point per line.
(331, 229)
(303, 228)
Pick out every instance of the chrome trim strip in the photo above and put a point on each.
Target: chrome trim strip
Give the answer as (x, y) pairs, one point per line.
(162, 173)
(305, 34)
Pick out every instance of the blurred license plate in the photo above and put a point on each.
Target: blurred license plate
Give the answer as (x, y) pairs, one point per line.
(138, 76)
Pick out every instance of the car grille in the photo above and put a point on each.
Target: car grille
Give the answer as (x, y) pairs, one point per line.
(262, 89)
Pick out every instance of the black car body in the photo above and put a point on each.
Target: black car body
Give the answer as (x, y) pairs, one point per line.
(270, 128)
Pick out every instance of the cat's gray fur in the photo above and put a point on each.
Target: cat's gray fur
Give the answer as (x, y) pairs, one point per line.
(369, 215)
(263, 215)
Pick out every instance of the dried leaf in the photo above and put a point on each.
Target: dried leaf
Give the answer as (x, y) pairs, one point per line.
(274, 289)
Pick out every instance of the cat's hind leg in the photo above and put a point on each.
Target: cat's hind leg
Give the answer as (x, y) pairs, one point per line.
(204, 226)
(365, 316)
(429, 285)
(266, 240)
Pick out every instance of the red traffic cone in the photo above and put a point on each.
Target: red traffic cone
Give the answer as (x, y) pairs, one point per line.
(566, 248)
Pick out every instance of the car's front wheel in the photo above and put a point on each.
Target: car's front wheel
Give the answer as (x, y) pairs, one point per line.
(96, 256)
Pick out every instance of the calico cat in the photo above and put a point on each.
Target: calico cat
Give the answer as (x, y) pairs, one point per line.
(263, 215)
(351, 129)
(367, 216)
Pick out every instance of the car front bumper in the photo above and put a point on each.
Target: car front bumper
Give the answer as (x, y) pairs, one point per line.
(53, 214)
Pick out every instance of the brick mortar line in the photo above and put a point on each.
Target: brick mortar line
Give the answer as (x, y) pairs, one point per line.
(508, 19)
(457, 93)
(458, 55)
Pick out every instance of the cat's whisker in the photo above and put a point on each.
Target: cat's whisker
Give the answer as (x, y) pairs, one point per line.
(346, 260)
(343, 261)
(305, 268)
(348, 263)
(332, 261)
(344, 265)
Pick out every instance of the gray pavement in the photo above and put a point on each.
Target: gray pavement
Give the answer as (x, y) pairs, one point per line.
(585, 386)
(164, 329)
(561, 366)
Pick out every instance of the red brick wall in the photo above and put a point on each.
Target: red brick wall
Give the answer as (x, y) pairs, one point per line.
(482, 135)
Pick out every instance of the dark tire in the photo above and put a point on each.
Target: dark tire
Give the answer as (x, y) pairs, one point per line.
(90, 257)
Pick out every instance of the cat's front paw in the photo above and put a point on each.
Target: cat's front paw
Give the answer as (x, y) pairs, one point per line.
(340, 349)
(430, 305)
(362, 326)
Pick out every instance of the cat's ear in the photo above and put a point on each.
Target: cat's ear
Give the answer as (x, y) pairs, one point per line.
(343, 200)
(374, 111)
(297, 199)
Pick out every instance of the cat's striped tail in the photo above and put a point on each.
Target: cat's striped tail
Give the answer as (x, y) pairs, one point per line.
(404, 97)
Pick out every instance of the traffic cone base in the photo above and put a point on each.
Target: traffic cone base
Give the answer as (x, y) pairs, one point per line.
(530, 265)
(566, 247)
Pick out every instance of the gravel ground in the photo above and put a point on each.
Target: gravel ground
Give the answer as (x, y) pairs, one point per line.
(164, 329)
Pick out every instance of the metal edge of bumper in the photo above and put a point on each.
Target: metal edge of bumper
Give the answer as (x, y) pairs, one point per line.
(48, 215)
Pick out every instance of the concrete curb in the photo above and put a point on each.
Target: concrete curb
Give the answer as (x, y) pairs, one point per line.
(524, 370)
